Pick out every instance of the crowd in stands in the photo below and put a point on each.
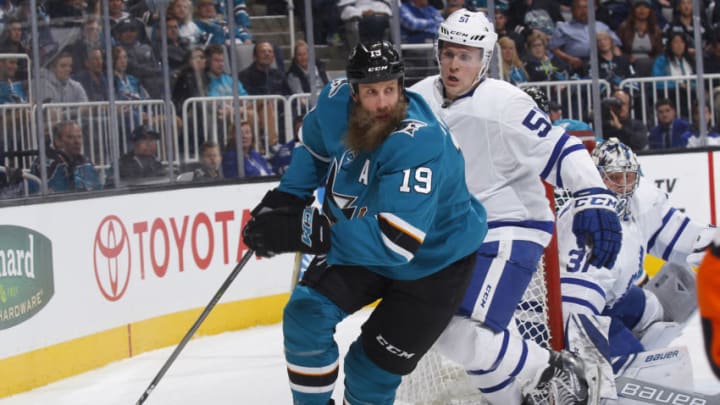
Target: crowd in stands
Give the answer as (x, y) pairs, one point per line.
(540, 41)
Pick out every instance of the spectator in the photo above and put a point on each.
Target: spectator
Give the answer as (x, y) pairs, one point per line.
(419, 22)
(682, 22)
(192, 81)
(617, 123)
(67, 168)
(711, 60)
(513, 70)
(254, 163)
(571, 40)
(177, 46)
(613, 66)
(641, 37)
(210, 163)
(11, 41)
(89, 39)
(539, 66)
(116, 9)
(280, 160)
(11, 183)
(365, 21)
(11, 91)
(55, 84)
(669, 131)
(213, 29)
(142, 160)
(692, 136)
(555, 112)
(539, 20)
(261, 77)
(676, 61)
(93, 78)
(127, 86)
(298, 78)
(501, 28)
(182, 11)
(141, 60)
(219, 83)
(517, 10)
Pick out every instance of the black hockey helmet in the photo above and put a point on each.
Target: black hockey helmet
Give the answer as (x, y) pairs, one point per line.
(375, 62)
(539, 97)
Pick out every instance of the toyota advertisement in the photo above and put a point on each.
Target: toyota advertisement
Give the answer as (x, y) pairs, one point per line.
(76, 268)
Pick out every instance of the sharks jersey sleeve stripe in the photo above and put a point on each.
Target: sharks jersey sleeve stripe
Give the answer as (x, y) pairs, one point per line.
(397, 237)
(403, 226)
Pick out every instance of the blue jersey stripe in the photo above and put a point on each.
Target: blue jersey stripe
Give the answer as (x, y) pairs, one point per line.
(679, 232)
(583, 283)
(565, 152)
(555, 155)
(665, 220)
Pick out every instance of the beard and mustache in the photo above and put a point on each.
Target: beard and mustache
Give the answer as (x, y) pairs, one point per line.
(365, 132)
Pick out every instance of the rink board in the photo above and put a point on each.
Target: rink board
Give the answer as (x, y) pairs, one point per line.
(128, 274)
(117, 276)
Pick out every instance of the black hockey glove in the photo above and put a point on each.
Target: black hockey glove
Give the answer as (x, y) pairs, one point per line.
(596, 223)
(276, 199)
(288, 229)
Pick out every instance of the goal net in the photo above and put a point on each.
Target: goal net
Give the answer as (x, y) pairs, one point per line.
(439, 381)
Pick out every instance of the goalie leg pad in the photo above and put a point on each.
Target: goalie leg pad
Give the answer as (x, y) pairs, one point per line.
(669, 367)
(675, 287)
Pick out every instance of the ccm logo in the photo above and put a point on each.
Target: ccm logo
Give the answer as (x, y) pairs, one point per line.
(660, 396)
(393, 349)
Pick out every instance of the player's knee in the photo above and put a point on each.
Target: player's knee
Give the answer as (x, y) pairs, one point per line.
(309, 319)
(389, 354)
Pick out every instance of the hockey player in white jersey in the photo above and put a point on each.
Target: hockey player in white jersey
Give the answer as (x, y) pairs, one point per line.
(633, 315)
(510, 146)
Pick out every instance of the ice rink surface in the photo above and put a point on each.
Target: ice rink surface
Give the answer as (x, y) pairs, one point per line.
(239, 368)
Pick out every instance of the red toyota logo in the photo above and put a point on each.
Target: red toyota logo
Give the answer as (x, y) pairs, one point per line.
(111, 258)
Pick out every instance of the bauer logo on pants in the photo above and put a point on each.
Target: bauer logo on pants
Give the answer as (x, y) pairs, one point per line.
(26, 274)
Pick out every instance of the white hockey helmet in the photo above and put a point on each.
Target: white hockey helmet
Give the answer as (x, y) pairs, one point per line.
(471, 28)
(619, 168)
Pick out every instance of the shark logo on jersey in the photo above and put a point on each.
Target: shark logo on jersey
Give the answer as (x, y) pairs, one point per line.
(335, 85)
(336, 203)
(410, 127)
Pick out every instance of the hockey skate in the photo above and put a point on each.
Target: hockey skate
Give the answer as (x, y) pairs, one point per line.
(563, 382)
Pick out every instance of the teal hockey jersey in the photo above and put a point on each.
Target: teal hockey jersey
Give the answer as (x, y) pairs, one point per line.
(402, 210)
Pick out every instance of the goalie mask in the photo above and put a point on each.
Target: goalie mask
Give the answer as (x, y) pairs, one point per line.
(619, 169)
(468, 28)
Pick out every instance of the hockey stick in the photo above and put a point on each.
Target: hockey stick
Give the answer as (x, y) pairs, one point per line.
(643, 391)
(195, 326)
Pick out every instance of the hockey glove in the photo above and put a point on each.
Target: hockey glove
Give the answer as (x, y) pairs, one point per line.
(596, 223)
(276, 199)
(288, 229)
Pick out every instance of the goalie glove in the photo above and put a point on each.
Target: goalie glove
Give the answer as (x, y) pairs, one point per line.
(288, 229)
(596, 223)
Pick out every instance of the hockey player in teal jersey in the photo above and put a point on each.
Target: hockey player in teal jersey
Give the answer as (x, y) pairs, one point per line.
(398, 225)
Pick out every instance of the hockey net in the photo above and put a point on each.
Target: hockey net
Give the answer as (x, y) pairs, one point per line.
(439, 381)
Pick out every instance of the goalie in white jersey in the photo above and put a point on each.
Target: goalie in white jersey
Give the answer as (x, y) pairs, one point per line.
(632, 314)
(509, 146)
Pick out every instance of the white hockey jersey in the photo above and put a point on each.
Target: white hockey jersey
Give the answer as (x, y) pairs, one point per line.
(653, 226)
(509, 145)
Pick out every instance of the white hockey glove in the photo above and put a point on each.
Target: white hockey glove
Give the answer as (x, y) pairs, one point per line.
(596, 223)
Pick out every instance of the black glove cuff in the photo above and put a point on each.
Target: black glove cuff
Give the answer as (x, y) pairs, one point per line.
(277, 199)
